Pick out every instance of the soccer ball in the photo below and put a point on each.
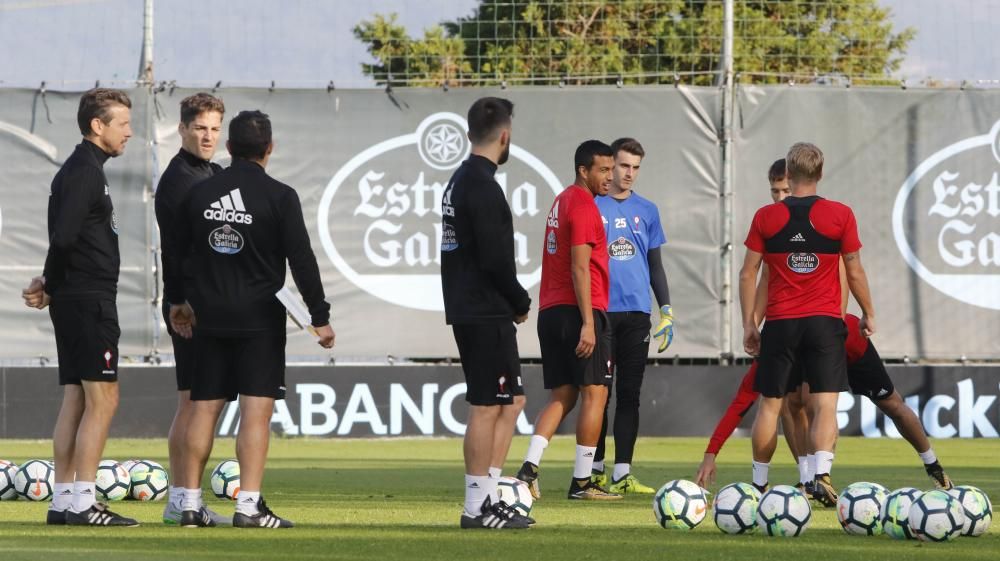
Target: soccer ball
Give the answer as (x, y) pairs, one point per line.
(784, 511)
(977, 509)
(936, 516)
(680, 504)
(149, 481)
(895, 513)
(226, 479)
(515, 493)
(859, 509)
(7, 472)
(735, 508)
(113, 481)
(127, 464)
(35, 479)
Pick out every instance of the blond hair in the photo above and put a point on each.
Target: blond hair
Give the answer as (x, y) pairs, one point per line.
(804, 162)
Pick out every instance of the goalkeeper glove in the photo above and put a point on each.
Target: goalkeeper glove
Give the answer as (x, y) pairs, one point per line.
(666, 327)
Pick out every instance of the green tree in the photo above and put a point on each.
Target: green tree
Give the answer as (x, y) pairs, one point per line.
(639, 41)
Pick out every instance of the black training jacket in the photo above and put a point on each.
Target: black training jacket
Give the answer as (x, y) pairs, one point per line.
(83, 259)
(239, 228)
(478, 275)
(185, 169)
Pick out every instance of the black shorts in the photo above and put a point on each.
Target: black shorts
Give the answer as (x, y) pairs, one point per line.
(868, 376)
(87, 334)
(228, 367)
(816, 343)
(490, 362)
(559, 334)
(184, 354)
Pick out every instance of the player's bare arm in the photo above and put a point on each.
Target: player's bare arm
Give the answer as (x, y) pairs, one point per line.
(857, 280)
(580, 267)
(760, 299)
(748, 293)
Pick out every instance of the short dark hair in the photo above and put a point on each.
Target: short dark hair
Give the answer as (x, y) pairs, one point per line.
(777, 171)
(586, 151)
(629, 145)
(249, 135)
(201, 102)
(487, 115)
(97, 104)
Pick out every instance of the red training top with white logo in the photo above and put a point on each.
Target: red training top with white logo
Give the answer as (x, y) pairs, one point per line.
(802, 239)
(573, 220)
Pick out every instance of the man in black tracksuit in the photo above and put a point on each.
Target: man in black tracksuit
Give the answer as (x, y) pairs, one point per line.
(201, 123)
(80, 282)
(482, 300)
(238, 228)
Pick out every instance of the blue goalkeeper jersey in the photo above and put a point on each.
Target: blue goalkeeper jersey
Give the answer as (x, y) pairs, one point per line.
(633, 228)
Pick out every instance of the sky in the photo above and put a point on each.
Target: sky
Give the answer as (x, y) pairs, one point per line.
(70, 44)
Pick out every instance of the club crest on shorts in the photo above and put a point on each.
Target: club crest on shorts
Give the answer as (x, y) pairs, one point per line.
(107, 356)
(502, 390)
(225, 240)
(802, 263)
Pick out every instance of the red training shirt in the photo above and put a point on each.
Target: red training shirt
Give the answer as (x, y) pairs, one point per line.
(802, 239)
(573, 220)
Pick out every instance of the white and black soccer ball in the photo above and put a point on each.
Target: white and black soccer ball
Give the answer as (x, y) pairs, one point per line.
(895, 513)
(149, 481)
(976, 507)
(226, 479)
(784, 511)
(936, 516)
(35, 480)
(859, 509)
(515, 493)
(113, 481)
(735, 508)
(680, 504)
(8, 470)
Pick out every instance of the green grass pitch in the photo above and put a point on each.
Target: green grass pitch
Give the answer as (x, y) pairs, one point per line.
(401, 499)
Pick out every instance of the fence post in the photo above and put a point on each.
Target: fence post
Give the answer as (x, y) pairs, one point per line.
(726, 249)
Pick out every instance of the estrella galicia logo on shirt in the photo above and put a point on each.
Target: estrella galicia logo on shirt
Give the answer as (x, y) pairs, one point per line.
(803, 263)
(114, 222)
(550, 243)
(226, 240)
(621, 249)
(449, 240)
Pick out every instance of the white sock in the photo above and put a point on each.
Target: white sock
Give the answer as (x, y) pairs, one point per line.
(477, 488)
(535, 449)
(621, 470)
(62, 497)
(598, 466)
(824, 462)
(811, 466)
(190, 499)
(928, 457)
(495, 473)
(760, 470)
(804, 470)
(84, 496)
(246, 502)
(584, 461)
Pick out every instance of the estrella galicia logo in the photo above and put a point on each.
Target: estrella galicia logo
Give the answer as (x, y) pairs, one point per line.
(114, 221)
(551, 245)
(803, 263)
(380, 216)
(945, 220)
(449, 241)
(621, 249)
(226, 240)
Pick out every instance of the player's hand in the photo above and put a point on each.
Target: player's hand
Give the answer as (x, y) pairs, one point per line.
(706, 471)
(751, 340)
(35, 295)
(666, 328)
(588, 340)
(867, 325)
(326, 336)
(182, 319)
(521, 319)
